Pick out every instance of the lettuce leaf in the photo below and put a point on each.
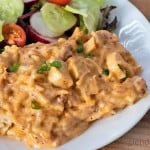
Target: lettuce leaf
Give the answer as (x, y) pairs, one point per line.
(10, 10)
(1, 36)
(89, 9)
(78, 7)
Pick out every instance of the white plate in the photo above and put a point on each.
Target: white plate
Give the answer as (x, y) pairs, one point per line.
(134, 32)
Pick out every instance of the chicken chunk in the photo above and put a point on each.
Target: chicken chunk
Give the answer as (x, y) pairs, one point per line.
(90, 45)
(60, 77)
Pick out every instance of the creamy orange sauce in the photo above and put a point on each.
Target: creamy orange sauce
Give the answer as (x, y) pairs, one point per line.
(47, 109)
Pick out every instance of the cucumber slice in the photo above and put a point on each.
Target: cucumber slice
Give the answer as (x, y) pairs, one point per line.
(37, 23)
(56, 18)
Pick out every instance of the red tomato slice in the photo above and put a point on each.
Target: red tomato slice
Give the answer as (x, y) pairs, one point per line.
(60, 2)
(14, 34)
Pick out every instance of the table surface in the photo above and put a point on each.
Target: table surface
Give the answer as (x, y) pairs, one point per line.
(137, 138)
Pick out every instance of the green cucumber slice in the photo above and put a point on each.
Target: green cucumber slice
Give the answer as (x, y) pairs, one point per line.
(56, 18)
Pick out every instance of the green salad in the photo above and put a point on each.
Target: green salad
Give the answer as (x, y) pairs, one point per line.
(47, 20)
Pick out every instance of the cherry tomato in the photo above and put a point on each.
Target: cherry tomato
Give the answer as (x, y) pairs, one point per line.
(60, 2)
(14, 34)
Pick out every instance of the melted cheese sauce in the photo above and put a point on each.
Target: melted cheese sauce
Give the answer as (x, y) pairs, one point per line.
(88, 86)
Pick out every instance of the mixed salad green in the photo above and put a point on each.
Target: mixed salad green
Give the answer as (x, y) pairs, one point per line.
(46, 20)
